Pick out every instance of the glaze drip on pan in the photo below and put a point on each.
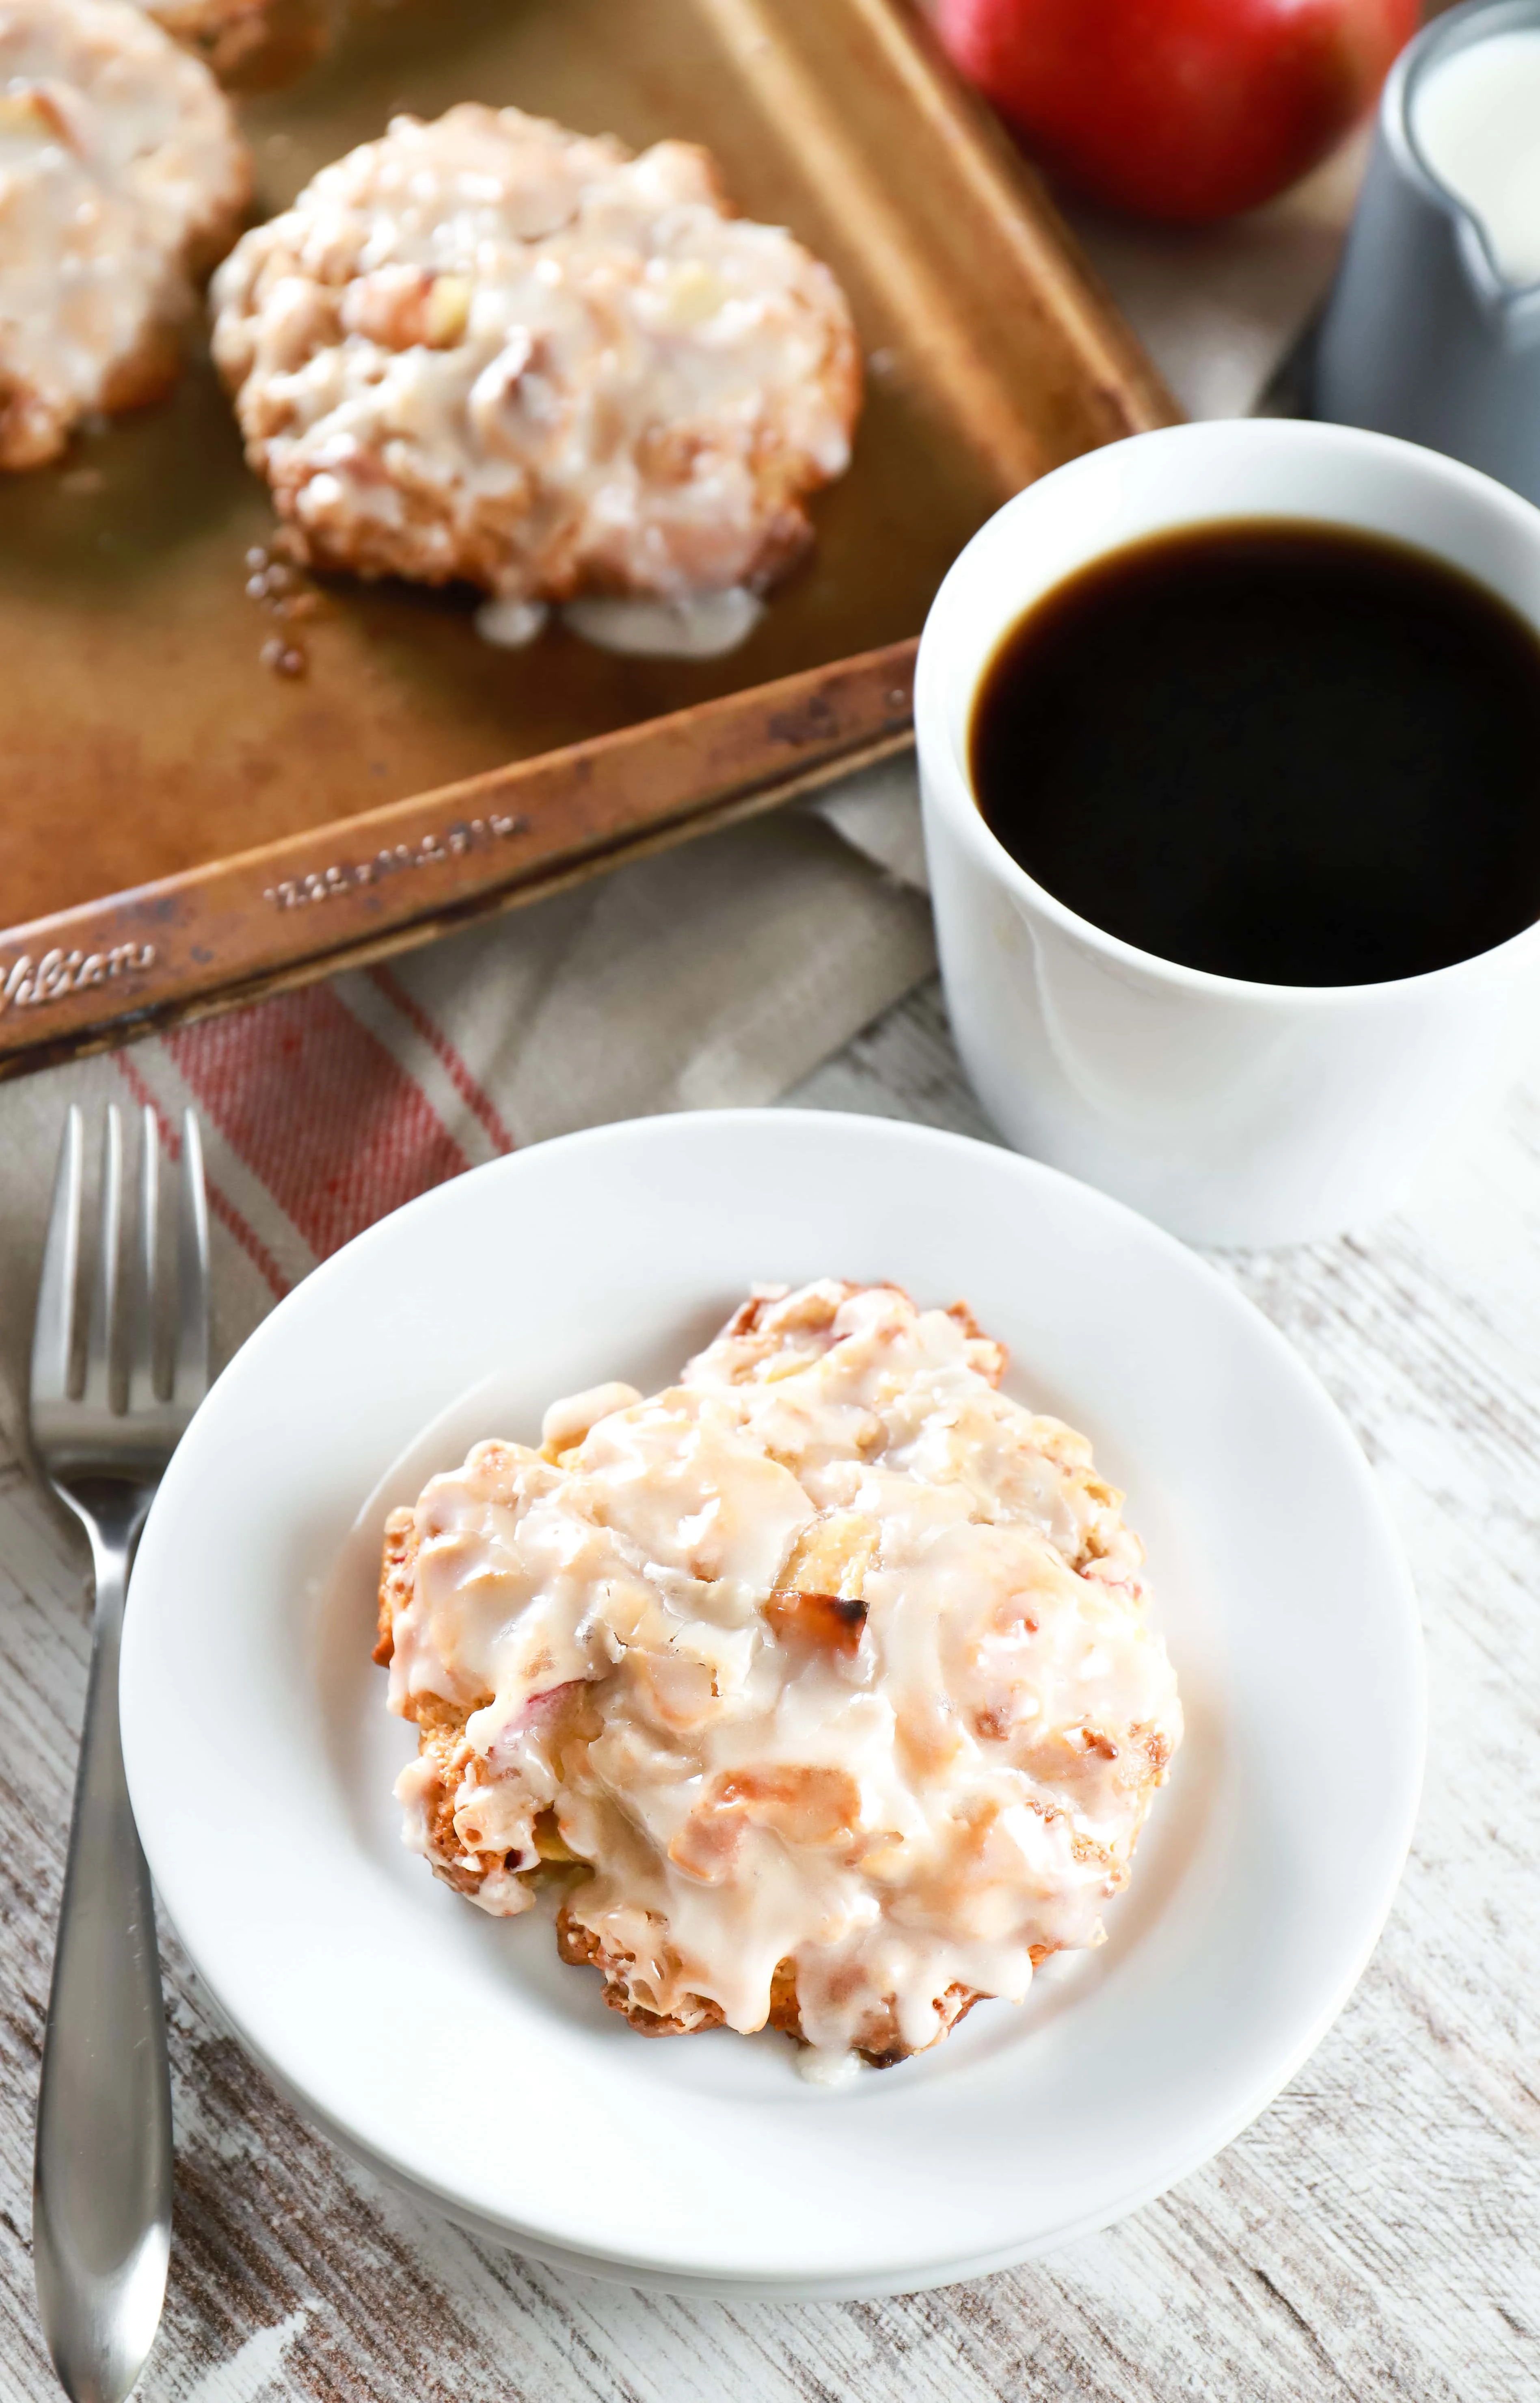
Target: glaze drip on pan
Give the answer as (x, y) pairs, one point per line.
(824, 1672)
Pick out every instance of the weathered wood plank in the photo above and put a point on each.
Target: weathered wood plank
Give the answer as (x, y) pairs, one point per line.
(1376, 2234)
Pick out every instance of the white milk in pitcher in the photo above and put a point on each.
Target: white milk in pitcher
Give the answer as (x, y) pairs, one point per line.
(1476, 120)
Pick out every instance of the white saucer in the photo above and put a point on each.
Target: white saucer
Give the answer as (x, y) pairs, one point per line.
(454, 2052)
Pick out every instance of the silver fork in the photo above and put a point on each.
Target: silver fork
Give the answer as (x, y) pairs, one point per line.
(103, 2169)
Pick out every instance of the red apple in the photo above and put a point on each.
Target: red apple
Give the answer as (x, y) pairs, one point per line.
(1185, 109)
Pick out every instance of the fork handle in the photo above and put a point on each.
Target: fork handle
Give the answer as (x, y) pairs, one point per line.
(103, 2173)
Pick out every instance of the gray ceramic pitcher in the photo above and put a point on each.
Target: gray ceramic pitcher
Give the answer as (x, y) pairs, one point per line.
(1423, 335)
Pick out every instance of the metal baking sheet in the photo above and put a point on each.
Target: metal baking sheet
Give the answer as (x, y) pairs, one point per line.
(169, 808)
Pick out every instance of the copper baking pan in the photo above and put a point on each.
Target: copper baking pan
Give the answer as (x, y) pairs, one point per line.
(182, 829)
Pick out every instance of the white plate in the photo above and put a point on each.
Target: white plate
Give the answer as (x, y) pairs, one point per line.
(453, 2052)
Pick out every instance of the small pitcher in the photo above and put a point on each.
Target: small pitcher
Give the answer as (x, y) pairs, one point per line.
(1425, 335)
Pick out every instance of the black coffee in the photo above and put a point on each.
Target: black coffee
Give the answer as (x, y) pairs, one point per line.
(1289, 753)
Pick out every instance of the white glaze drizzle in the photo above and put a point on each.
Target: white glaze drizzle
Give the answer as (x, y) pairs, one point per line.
(487, 347)
(511, 625)
(118, 155)
(898, 1814)
(705, 627)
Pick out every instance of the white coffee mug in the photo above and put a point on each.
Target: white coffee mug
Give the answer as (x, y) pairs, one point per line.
(1232, 1111)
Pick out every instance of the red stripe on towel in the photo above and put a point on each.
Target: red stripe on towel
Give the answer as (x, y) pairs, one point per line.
(474, 1096)
(319, 1110)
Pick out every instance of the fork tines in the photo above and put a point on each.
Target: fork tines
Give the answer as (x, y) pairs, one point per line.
(118, 1367)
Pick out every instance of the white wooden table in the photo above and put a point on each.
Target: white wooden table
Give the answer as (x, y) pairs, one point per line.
(1375, 2233)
